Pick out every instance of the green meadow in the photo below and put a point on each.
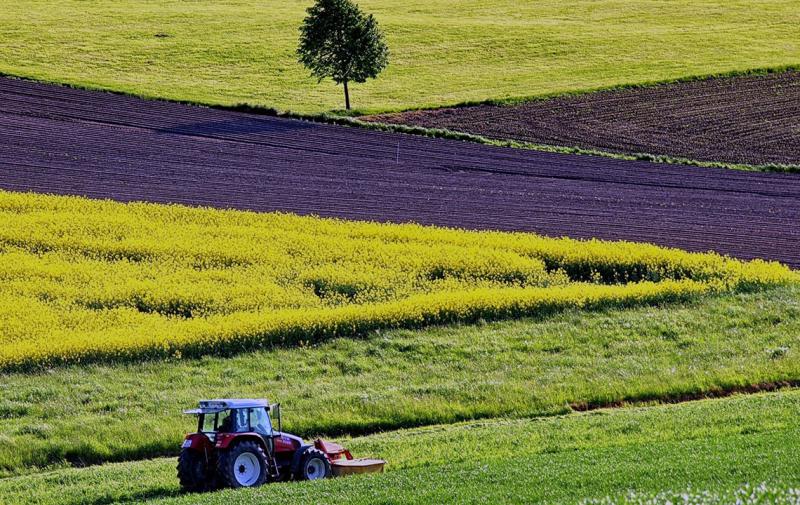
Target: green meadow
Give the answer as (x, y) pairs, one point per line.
(715, 450)
(443, 52)
(588, 407)
(389, 380)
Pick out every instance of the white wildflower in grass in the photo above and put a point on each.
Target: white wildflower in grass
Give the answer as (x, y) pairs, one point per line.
(760, 494)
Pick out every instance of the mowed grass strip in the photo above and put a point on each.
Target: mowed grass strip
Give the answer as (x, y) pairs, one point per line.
(86, 280)
(443, 51)
(92, 414)
(712, 445)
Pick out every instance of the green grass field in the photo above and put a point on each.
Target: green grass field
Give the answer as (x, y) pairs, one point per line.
(711, 448)
(482, 413)
(443, 51)
(742, 337)
(400, 379)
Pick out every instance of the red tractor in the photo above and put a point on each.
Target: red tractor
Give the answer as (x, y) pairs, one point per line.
(236, 445)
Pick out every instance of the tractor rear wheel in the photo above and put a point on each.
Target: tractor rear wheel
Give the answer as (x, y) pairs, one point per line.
(243, 465)
(314, 465)
(193, 471)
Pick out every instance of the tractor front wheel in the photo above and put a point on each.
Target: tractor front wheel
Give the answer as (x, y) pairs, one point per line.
(193, 471)
(314, 465)
(244, 465)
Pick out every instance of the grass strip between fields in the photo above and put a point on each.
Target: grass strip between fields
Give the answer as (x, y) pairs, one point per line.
(352, 119)
(713, 445)
(89, 414)
(714, 112)
(517, 144)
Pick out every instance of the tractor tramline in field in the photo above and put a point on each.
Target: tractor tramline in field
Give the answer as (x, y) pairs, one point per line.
(236, 445)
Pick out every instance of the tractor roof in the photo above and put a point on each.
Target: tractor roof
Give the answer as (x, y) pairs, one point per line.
(213, 406)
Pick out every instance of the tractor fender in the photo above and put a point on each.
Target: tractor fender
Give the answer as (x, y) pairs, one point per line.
(196, 442)
(298, 455)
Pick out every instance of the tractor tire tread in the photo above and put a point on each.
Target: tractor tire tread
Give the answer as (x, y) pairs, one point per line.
(308, 454)
(192, 474)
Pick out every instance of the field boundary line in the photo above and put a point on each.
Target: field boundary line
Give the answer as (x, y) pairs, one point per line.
(778, 69)
(354, 118)
(515, 144)
(688, 397)
(479, 420)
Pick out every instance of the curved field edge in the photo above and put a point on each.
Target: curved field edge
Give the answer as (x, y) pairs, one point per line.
(444, 51)
(235, 334)
(606, 457)
(717, 105)
(614, 87)
(89, 414)
(360, 119)
(193, 281)
(358, 113)
(517, 144)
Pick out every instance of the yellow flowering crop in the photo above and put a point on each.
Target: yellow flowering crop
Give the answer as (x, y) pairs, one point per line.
(85, 280)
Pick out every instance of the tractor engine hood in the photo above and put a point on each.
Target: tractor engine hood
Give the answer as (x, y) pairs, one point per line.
(288, 437)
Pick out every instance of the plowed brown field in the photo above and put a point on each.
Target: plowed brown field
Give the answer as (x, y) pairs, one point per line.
(68, 141)
(750, 120)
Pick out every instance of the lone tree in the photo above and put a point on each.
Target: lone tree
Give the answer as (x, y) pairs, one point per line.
(339, 41)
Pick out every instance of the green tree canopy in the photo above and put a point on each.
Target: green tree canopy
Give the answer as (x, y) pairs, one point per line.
(339, 41)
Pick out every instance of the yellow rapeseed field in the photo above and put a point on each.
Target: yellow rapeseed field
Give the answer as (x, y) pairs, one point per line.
(86, 280)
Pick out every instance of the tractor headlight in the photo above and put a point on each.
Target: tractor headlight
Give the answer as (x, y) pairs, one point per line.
(186, 443)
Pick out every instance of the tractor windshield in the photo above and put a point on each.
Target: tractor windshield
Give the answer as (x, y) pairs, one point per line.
(250, 419)
(259, 421)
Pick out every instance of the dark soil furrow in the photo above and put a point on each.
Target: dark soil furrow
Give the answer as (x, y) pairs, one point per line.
(68, 141)
(733, 120)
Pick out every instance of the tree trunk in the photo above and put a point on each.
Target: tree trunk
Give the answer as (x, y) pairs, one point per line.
(346, 96)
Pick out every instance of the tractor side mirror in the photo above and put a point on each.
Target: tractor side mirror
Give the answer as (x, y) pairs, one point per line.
(276, 411)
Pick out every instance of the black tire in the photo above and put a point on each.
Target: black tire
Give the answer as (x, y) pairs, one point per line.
(244, 473)
(313, 465)
(193, 471)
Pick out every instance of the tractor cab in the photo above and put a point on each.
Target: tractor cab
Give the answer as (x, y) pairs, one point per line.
(229, 417)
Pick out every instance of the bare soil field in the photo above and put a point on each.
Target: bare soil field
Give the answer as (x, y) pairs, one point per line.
(751, 120)
(67, 141)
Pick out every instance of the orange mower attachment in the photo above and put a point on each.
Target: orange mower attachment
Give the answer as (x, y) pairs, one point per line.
(343, 463)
